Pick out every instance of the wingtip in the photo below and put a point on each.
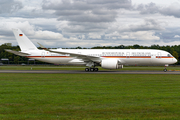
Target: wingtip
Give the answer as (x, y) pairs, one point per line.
(41, 46)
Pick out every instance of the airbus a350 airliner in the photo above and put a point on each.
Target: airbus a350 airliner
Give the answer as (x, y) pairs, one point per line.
(106, 58)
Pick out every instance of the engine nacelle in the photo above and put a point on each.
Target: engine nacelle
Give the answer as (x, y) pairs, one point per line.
(111, 64)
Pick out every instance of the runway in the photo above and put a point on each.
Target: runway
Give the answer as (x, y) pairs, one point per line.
(83, 72)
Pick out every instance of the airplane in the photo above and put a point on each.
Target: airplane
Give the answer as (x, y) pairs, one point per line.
(106, 58)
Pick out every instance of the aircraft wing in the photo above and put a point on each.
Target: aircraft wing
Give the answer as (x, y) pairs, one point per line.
(84, 57)
(17, 52)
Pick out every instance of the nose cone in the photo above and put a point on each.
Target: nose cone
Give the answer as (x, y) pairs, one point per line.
(174, 60)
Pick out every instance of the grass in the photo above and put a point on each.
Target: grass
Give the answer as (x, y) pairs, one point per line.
(89, 96)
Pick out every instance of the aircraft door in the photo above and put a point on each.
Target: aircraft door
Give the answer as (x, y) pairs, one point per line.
(43, 54)
(159, 55)
(153, 56)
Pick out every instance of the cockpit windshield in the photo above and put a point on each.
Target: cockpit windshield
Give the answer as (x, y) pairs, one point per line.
(169, 55)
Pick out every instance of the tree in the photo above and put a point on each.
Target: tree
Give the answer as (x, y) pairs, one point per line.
(136, 46)
(175, 54)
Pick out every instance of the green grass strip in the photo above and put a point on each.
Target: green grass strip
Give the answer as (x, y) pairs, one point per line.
(89, 96)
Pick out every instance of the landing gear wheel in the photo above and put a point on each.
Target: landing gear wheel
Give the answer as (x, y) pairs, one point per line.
(96, 69)
(165, 70)
(92, 69)
(87, 69)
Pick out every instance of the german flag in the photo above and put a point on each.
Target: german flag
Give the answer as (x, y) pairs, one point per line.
(20, 34)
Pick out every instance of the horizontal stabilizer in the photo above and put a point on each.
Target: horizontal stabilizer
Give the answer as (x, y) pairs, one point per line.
(17, 52)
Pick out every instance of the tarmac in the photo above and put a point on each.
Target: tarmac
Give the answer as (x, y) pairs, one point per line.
(83, 72)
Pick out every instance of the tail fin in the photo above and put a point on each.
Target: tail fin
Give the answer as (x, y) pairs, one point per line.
(24, 43)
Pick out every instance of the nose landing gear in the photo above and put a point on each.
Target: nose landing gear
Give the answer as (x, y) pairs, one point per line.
(165, 70)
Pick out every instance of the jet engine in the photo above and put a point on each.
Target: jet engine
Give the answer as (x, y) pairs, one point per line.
(111, 64)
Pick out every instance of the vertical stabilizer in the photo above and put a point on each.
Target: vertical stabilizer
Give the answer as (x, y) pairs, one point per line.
(24, 43)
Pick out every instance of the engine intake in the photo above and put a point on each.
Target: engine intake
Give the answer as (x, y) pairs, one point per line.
(111, 64)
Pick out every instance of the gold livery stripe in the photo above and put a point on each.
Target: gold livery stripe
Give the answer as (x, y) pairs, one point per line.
(101, 56)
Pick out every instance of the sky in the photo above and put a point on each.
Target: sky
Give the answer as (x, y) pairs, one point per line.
(90, 23)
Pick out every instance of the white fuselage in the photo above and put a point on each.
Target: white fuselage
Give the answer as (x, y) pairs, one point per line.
(125, 56)
(106, 58)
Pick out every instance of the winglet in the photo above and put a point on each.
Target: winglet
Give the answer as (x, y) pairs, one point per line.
(42, 46)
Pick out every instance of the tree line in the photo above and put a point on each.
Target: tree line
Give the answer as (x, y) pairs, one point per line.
(14, 59)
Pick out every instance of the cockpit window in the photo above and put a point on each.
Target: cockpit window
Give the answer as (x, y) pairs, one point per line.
(169, 55)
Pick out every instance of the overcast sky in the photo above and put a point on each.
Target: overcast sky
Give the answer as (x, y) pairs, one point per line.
(89, 23)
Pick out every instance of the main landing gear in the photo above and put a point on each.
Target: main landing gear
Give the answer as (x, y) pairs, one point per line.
(91, 69)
